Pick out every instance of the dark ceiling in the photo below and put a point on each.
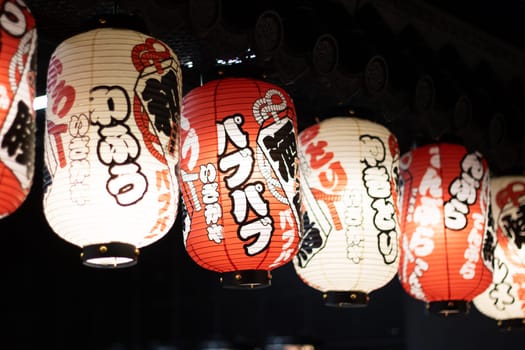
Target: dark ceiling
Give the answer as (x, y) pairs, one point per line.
(429, 70)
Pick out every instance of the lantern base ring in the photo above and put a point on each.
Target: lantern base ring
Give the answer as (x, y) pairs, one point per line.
(449, 307)
(346, 298)
(246, 279)
(511, 323)
(109, 255)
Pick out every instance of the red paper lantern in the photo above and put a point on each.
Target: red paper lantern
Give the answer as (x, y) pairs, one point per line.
(17, 115)
(239, 178)
(444, 215)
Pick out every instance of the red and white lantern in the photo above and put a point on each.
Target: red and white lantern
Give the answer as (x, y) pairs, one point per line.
(508, 206)
(18, 42)
(504, 300)
(444, 218)
(111, 143)
(239, 178)
(349, 170)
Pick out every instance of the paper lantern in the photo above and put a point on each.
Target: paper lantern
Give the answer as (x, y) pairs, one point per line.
(111, 143)
(18, 41)
(239, 179)
(349, 247)
(444, 216)
(508, 203)
(504, 300)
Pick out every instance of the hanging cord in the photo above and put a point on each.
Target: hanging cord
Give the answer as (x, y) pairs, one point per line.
(115, 7)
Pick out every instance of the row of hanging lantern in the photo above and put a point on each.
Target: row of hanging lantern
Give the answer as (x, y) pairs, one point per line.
(337, 199)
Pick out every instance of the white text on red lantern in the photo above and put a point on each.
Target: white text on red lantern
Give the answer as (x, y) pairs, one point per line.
(463, 191)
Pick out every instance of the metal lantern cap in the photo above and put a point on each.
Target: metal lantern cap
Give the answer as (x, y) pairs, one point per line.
(346, 299)
(246, 279)
(449, 307)
(117, 20)
(512, 324)
(110, 255)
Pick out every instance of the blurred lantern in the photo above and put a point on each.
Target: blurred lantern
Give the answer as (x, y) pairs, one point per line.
(349, 170)
(444, 220)
(508, 203)
(18, 40)
(504, 300)
(288, 343)
(239, 176)
(111, 143)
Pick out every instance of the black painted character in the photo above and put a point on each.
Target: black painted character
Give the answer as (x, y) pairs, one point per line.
(163, 101)
(311, 240)
(489, 242)
(513, 224)
(19, 139)
(283, 150)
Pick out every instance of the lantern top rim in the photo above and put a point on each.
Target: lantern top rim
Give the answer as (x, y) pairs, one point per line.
(115, 21)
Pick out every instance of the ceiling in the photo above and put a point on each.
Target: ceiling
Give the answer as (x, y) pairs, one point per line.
(428, 70)
(445, 69)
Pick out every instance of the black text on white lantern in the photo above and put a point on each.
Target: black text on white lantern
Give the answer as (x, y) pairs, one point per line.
(111, 143)
(504, 299)
(348, 177)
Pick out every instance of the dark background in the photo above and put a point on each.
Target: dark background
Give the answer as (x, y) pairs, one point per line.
(428, 70)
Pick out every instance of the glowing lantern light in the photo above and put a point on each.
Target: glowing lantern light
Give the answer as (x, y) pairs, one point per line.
(444, 218)
(349, 170)
(504, 300)
(111, 143)
(18, 40)
(239, 179)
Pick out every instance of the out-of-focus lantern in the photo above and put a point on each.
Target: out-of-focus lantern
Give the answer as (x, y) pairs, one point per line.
(239, 178)
(508, 205)
(18, 41)
(504, 300)
(111, 143)
(444, 220)
(349, 169)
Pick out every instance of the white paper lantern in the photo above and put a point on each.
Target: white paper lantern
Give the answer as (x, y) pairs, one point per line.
(349, 192)
(508, 207)
(504, 299)
(111, 143)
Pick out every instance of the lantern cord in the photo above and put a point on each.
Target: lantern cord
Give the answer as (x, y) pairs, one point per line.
(115, 7)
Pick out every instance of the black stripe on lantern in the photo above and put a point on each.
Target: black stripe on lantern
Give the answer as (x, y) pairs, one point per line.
(122, 254)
